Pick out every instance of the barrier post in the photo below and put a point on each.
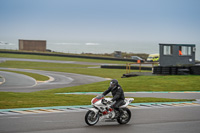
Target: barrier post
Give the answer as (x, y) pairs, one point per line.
(126, 68)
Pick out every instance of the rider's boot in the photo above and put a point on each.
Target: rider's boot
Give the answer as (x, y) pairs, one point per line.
(118, 112)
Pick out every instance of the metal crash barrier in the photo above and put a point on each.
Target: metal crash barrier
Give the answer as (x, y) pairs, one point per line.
(129, 66)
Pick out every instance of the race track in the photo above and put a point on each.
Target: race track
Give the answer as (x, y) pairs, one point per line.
(21, 83)
(152, 120)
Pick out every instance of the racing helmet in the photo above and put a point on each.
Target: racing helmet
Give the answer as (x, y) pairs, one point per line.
(113, 83)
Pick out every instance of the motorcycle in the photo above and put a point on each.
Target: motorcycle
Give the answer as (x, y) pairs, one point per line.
(102, 111)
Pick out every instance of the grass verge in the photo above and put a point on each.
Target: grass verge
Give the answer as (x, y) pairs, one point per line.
(10, 100)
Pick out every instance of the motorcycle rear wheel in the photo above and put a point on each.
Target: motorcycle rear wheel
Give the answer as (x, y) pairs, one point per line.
(125, 116)
(89, 118)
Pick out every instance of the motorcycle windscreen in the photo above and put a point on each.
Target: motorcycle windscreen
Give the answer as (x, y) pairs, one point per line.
(96, 100)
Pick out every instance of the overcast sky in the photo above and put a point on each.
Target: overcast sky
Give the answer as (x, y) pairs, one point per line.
(171, 21)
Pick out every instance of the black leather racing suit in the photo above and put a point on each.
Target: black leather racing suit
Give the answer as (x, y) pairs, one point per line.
(118, 96)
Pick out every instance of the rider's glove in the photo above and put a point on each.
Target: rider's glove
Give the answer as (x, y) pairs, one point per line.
(113, 103)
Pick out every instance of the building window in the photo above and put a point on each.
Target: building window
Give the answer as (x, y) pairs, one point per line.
(185, 50)
(167, 50)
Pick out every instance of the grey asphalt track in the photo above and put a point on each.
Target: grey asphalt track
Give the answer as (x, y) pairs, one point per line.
(22, 83)
(159, 120)
(16, 80)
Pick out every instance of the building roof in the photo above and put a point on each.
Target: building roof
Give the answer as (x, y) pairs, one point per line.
(177, 44)
(30, 40)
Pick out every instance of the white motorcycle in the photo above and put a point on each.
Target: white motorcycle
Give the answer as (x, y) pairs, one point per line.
(102, 111)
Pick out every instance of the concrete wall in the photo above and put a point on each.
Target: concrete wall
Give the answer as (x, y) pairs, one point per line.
(32, 45)
(174, 59)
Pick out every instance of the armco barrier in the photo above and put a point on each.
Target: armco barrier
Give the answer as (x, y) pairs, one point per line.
(124, 67)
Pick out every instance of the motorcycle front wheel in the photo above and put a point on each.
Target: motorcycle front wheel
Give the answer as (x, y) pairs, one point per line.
(91, 118)
(125, 116)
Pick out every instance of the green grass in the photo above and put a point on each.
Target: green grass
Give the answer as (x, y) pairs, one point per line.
(26, 100)
(162, 83)
(141, 83)
(37, 77)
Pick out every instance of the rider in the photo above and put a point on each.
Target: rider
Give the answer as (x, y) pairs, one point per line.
(117, 93)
